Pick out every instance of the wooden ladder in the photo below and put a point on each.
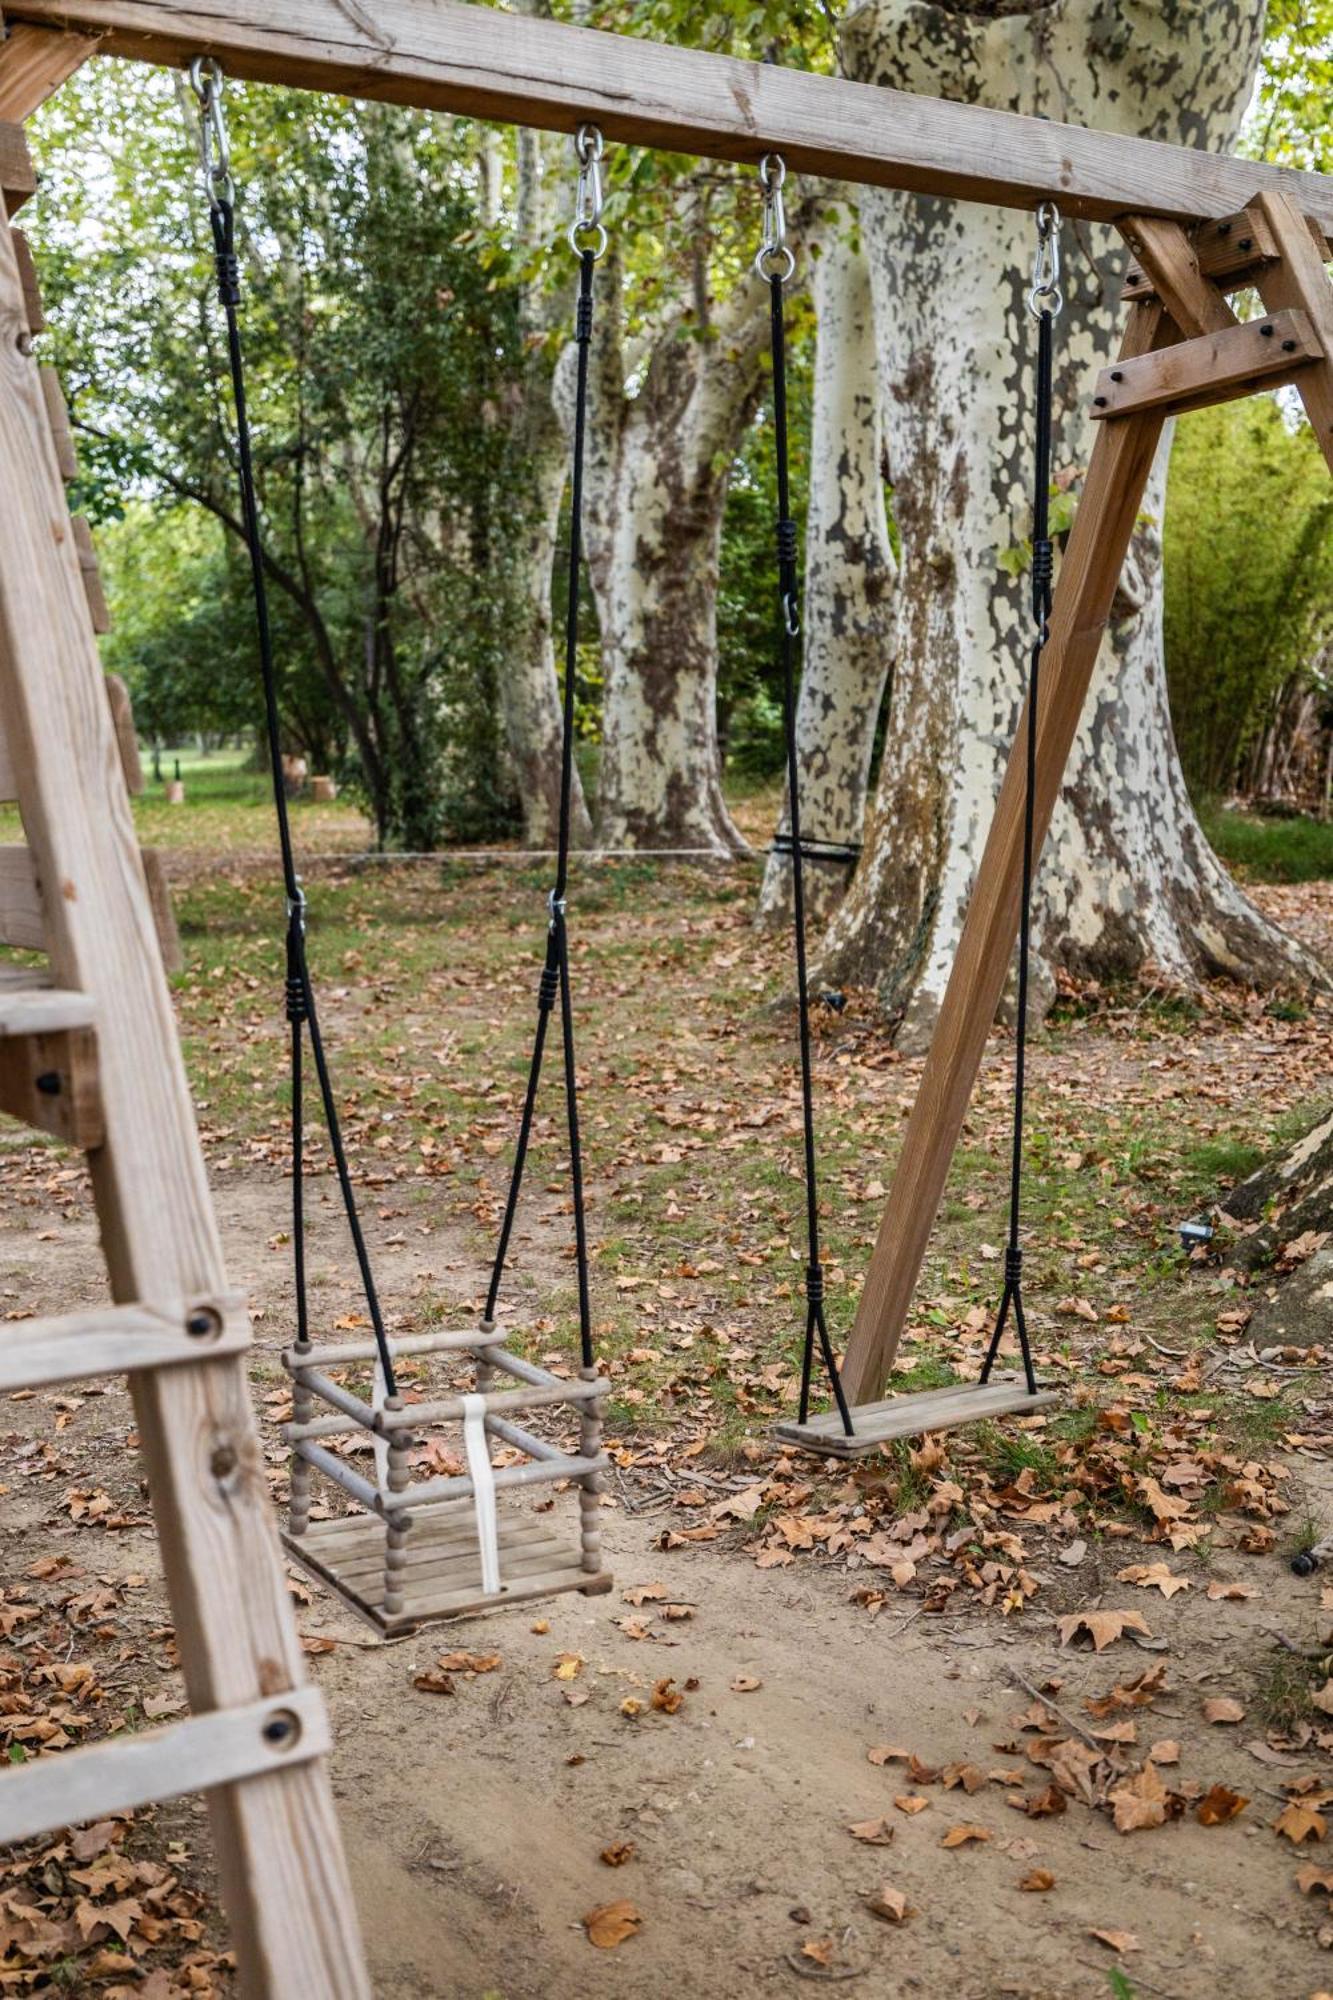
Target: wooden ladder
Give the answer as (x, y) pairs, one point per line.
(1183, 348)
(89, 1051)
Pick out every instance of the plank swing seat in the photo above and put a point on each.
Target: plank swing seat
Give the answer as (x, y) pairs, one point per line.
(417, 1550)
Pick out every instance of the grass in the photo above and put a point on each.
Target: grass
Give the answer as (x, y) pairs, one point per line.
(1271, 850)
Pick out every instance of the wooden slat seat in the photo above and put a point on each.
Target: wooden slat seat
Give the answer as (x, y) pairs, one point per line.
(904, 1416)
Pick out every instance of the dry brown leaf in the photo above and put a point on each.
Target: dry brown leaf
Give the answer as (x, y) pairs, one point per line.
(1102, 1627)
(1140, 1802)
(890, 1904)
(745, 1684)
(1221, 1708)
(1297, 1823)
(667, 1697)
(961, 1835)
(874, 1832)
(618, 1853)
(1117, 1940)
(1167, 1751)
(1037, 1881)
(611, 1923)
(819, 1950)
(1310, 1878)
(431, 1682)
(1218, 1805)
(887, 1753)
(1153, 1576)
(909, 1802)
(1226, 1593)
(568, 1666)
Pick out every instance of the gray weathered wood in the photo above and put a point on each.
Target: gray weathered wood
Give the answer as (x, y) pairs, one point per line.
(903, 1416)
(73, 1787)
(1217, 367)
(115, 1340)
(487, 63)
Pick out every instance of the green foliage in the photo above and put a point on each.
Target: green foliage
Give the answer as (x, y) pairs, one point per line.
(1291, 120)
(1249, 576)
(1271, 850)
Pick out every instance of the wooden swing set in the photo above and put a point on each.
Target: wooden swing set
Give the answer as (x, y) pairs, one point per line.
(88, 1045)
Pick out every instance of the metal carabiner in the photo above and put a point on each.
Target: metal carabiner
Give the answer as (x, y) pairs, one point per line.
(774, 257)
(1044, 293)
(206, 81)
(588, 199)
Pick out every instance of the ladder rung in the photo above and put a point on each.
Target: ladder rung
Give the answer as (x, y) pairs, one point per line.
(30, 1005)
(72, 1787)
(1213, 368)
(117, 1340)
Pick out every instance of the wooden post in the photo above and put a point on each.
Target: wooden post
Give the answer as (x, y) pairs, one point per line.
(1299, 280)
(1122, 458)
(275, 1834)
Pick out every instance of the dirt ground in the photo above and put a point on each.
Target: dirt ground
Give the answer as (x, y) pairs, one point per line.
(474, 1822)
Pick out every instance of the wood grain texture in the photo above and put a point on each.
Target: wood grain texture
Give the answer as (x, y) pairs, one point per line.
(486, 63)
(904, 1416)
(91, 570)
(1122, 458)
(32, 290)
(34, 62)
(1174, 265)
(1299, 280)
(49, 1082)
(62, 433)
(1216, 367)
(31, 1005)
(276, 1837)
(116, 1340)
(71, 1787)
(18, 175)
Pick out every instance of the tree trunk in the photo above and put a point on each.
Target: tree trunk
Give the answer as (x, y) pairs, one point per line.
(658, 466)
(529, 686)
(1126, 876)
(849, 577)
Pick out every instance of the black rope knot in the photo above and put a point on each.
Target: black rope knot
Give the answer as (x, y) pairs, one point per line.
(1013, 1265)
(297, 1011)
(786, 542)
(229, 278)
(814, 1284)
(548, 988)
(1043, 574)
(583, 319)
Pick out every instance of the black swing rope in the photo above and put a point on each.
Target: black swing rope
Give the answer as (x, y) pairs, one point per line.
(1044, 303)
(302, 1014)
(587, 237)
(775, 264)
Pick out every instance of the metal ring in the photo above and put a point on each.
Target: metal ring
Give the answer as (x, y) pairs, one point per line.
(775, 260)
(772, 171)
(589, 144)
(595, 230)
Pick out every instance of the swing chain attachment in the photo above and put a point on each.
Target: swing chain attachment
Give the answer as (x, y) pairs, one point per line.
(206, 81)
(556, 907)
(296, 907)
(774, 258)
(1045, 295)
(586, 231)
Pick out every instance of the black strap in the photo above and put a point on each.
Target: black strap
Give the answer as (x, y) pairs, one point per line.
(1043, 571)
(555, 980)
(816, 1326)
(300, 996)
(812, 849)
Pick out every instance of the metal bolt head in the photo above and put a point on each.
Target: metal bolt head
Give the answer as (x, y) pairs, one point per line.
(1267, 331)
(1099, 402)
(203, 1323)
(49, 1083)
(1288, 347)
(279, 1729)
(1117, 374)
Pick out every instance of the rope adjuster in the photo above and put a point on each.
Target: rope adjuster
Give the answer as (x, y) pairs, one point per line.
(296, 910)
(206, 81)
(774, 257)
(556, 910)
(586, 232)
(1044, 294)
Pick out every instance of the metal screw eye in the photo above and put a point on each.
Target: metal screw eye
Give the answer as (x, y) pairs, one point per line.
(203, 1322)
(282, 1730)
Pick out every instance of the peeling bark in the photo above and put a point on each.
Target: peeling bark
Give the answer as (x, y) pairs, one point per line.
(847, 611)
(1126, 876)
(667, 416)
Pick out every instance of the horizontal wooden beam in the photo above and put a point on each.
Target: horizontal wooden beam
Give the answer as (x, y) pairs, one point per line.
(51, 1083)
(34, 62)
(118, 1340)
(1217, 367)
(447, 56)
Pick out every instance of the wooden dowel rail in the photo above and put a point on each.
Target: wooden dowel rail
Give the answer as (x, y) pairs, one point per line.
(450, 1409)
(538, 1448)
(362, 1414)
(342, 1475)
(354, 1351)
(543, 1473)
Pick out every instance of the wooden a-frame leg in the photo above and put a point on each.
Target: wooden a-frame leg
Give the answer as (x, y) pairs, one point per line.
(276, 1836)
(1122, 459)
(1299, 279)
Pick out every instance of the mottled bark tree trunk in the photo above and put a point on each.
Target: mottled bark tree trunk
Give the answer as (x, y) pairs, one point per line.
(1126, 875)
(847, 610)
(529, 686)
(663, 438)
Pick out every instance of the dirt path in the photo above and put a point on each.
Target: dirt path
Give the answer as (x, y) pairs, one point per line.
(475, 1821)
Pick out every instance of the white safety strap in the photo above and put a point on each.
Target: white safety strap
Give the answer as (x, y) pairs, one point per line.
(483, 1488)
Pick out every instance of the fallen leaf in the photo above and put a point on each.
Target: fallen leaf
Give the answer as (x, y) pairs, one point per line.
(568, 1666)
(1222, 1709)
(1298, 1823)
(890, 1904)
(618, 1853)
(1222, 1593)
(1218, 1805)
(611, 1923)
(874, 1832)
(909, 1802)
(819, 1950)
(1102, 1627)
(1037, 1881)
(745, 1684)
(667, 1697)
(1310, 1878)
(1118, 1940)
(1153, 1576)
(959, 1836)
(1140, 1802)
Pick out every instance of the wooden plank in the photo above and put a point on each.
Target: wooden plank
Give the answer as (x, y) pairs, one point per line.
(1178, 279)
(904, 1416)
(22, 917)
(98, 609)
(164, 912)
(57, 409)
(486, 63)
(50, 1082)
(31, 1005)
(1299, 281)
(73, 1787)
(117, 1340)
(449, 1409)
(34, 62)
(18, 175)
(345, 1354)
(1213, 368)
(1121, 461)
(127, 736)
(32, 290)
(280, 1859)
